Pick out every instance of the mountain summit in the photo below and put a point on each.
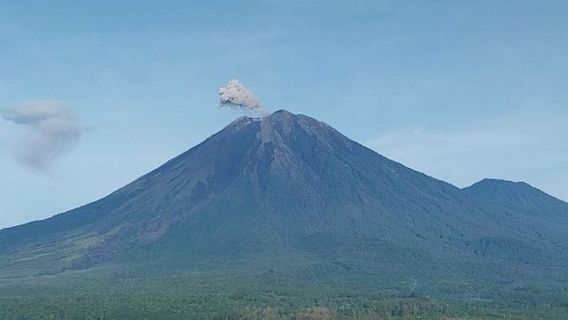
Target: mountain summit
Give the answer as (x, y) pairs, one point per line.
(287, 192)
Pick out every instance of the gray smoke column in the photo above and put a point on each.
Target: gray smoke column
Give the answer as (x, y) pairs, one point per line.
(56, 131)
(237, 96)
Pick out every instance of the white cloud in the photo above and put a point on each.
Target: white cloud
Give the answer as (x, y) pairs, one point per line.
(56, 131)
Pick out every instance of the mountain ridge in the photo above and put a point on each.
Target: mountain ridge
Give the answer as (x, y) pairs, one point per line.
(289, 185)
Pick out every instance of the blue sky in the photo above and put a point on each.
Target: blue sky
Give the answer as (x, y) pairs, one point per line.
(460, 90)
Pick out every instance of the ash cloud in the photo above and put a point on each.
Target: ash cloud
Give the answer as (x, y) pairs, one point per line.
(236, 95)
(55, 132)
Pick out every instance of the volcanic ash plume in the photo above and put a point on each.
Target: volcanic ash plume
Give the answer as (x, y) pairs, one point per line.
(237, 96)
(56, 132)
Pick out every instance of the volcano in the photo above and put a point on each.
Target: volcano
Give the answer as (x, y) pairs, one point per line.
(289, 195)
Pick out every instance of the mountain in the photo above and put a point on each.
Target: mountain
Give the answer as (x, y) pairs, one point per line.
(288, 195)
(518, 195)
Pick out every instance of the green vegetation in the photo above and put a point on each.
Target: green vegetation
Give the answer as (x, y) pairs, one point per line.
(194, 296)
(263, 305)
(287, 288)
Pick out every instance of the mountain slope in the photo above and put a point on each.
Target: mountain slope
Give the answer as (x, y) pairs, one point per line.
(290, 189)
(523, 207)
